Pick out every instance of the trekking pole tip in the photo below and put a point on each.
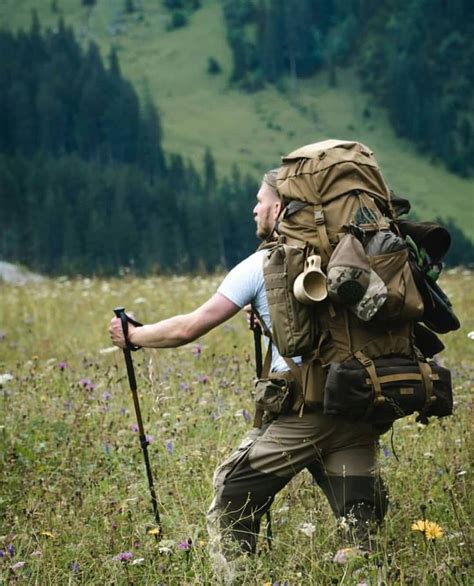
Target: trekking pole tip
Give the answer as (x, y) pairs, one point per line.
(119, 310)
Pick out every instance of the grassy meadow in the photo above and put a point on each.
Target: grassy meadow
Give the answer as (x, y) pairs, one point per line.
(74, 501)
(200, 110)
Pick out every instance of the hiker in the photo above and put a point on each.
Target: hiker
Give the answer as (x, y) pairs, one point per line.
(341, 455)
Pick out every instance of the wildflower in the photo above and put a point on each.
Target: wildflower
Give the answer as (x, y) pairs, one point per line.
(134, 427)
(123, 556)
(87, 384)
(138, 561)
(386, 452)
(106, 395)
(47, 534)
(471, 335)
(37, 553)
(197, 350)
(62, 365)
(169, 446)
(346, 554)
(246, 415)
(434, 531)
(308, 529)
(17, 566)
(166, 546)
(11, 550)
(202, 378)
(153, 531)
(107, 448)
(429, 529)
(2, 554)
(184, 386)
(185, 544)
(4, 378)
(75, 567)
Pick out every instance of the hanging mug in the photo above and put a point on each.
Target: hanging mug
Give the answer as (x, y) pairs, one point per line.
(310, 285)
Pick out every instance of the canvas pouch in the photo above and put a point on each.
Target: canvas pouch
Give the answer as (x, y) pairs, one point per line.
(293, 323)
(402, 387)
(273, 395)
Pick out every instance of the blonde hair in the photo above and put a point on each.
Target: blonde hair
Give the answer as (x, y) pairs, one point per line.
(270, 179)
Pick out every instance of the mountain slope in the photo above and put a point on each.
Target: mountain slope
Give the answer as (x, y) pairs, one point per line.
(250, 130)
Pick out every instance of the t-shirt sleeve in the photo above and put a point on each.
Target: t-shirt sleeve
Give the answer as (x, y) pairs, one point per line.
(243, 282)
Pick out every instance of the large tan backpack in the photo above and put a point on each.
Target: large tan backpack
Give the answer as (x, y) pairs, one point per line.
(331, 189)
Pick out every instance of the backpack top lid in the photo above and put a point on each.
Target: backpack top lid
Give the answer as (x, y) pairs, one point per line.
(323, 171)
(315, 149)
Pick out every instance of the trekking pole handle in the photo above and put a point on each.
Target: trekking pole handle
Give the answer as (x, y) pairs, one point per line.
(126, 319)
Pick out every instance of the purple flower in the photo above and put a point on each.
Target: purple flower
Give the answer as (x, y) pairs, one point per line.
(75, 567)
(386, 452)
(107, 448)
(184, 386)
(150, 438)
(169, 446)
(185, 544)
(134, 427)
(11, 550)
(62, 365)
(87, 384)
(247, 416)
(106, 395)
(197, 350)
(123, 556)
(17, 566)
(2, 554)
(202, 378)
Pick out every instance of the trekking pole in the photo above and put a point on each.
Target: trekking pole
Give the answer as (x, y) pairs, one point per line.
(257, 339)
(125, 319)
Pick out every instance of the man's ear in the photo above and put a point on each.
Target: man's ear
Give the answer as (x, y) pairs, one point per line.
(278, 208)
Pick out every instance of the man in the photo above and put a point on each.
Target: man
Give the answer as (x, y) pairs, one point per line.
(340, 455)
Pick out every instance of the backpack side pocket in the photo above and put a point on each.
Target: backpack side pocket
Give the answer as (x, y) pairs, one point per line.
(293, 324)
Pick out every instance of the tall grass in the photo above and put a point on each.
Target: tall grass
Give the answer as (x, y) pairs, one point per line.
(73, 488)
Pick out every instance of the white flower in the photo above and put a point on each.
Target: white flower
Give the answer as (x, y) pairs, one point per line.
(471, 335)
(343, 524)
(307, 528)
(138, 561)
(108, 350)
(4, 378)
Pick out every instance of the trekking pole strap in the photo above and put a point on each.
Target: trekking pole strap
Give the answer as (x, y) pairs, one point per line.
(126, 319)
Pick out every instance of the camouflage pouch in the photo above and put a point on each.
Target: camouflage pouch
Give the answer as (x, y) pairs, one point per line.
(273, 395)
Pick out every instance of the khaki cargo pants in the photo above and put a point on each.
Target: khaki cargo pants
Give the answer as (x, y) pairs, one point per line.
(341, 456)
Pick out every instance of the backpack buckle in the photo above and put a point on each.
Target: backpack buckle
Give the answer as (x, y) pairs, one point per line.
(319, 217)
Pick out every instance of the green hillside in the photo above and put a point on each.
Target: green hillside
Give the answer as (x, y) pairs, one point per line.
(252, 130)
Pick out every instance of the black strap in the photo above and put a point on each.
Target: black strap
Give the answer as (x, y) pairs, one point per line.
(126, 319)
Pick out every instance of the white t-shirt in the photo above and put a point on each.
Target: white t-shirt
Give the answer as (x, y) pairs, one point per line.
(243, 285)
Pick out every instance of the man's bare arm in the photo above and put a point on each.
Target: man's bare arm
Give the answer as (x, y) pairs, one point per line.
(180, 329)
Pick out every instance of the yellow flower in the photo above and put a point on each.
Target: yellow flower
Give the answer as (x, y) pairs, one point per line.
(434, 531)
(429, 529)
(47, 534)
(419, 526)
(154, 531)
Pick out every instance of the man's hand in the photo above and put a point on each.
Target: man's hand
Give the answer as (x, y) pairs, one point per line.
(116, 332)
(252, 323)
